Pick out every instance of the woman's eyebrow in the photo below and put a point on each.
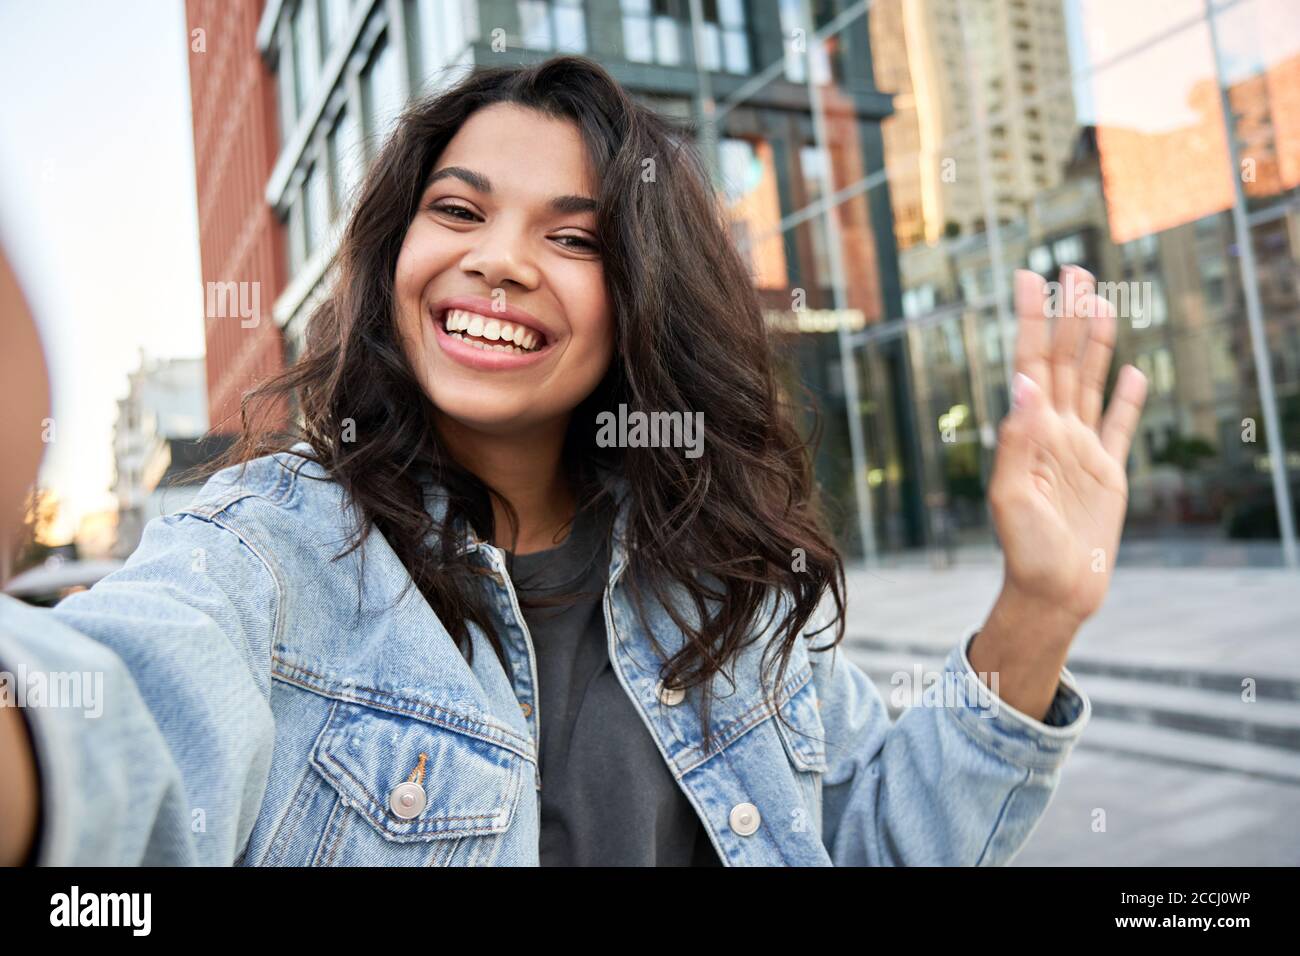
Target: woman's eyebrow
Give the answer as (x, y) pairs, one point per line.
(561, 204)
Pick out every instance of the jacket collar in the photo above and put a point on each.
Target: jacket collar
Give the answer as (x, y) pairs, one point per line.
(436, 505)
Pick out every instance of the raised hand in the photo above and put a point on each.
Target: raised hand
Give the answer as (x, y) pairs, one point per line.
(1059, 489)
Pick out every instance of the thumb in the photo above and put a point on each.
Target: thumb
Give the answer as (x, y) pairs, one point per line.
(1026, 395)
(1015, 449)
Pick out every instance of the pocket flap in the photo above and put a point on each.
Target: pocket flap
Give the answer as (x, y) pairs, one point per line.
(470, 786)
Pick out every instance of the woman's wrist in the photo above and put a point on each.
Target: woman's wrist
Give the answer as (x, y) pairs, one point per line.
(1024, 641)
(1035, 620)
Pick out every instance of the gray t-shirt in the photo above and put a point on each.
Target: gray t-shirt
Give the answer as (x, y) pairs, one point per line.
(607, 796)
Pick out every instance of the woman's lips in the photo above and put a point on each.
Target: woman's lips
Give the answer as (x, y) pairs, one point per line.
(486, 360)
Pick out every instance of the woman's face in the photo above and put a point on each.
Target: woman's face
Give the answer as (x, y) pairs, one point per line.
(499, 288)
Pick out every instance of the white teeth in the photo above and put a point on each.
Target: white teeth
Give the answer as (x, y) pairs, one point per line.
(456, 321)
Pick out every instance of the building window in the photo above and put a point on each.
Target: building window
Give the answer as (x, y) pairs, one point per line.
(796, 70)
(553, 25)
(651, 34)
(725, 45)
(335, 21)
(381, 91)
(445, 29)
(919, 301)
(1158, 367)
(1068, 250)
(297, 235)
(316, 193)
(286, 85)
(1040, 260)
(347, 159)
(735, 39)
(306, 51)
(1159, 306)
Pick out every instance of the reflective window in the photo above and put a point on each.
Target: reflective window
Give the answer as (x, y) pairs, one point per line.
(1009, 135)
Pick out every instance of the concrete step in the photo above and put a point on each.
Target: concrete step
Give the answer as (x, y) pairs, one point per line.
(1191, 749)
(1269, 722)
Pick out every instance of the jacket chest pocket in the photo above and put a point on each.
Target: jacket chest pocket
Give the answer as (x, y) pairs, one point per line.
(395, 789)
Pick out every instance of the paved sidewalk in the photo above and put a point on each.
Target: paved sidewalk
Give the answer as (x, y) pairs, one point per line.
(1235, 620)
(1157, 814)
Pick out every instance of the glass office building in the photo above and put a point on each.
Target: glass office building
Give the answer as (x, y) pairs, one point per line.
(887, 165)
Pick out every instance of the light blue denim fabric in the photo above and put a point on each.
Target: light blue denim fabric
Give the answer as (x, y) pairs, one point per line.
(261, 704)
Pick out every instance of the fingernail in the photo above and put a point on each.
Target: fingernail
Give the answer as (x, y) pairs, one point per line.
(1019, 389)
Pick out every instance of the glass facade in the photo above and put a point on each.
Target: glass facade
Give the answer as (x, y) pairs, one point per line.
(887, 165)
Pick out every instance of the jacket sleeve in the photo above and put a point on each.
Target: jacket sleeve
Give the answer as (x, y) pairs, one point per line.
(157, 746)
(961, 778)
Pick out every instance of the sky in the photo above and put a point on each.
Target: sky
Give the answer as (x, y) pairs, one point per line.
(97, 211)
(97, 204)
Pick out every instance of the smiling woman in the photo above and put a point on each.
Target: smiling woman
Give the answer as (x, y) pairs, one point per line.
(344, 649)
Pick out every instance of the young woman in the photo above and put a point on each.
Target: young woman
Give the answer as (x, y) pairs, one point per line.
(447, 624)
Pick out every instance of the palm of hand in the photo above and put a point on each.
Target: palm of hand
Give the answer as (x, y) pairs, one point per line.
(1059, 490)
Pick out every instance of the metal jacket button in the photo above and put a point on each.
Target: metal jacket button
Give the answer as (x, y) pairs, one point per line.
(527, 708)
(669, 697)
(407, 800)
(744, 818)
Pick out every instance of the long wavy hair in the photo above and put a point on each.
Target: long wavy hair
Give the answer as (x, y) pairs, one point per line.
(732, 544)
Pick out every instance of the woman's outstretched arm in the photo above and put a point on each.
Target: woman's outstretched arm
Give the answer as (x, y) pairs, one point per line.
(963, 777)
(152, 731)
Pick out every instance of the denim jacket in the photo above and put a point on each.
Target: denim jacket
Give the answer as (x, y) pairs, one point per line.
(264, 705)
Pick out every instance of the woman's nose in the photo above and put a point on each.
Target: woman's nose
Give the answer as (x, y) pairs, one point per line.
(501, 258)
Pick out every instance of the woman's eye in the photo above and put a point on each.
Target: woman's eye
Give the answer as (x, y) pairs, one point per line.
(581, 242)
(450, 209)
